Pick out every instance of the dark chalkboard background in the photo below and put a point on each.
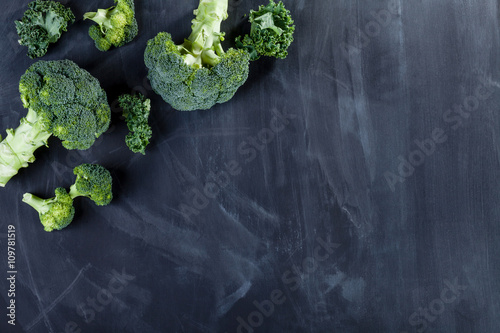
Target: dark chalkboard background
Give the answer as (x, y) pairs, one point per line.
(374, 208)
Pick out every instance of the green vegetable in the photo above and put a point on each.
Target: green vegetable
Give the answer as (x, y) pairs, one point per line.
(136, 112)
(63, 100)
(116, 26)
(55, 213)
(42, 24)
(271, 32)
(92, 181)
(197, 74)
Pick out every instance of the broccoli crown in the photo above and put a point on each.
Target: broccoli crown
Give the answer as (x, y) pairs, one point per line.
(55, 213)
(188, 83)
(116, 26)
(43, 23)
(136, 110)
(92, 181)
(271, 32)
(68, 100)
(198, 73)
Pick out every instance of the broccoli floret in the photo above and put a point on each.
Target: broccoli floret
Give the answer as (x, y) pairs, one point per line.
(63, 100)
(55, 213)
(42, 24)
(116, 26)
(197, 74)
(94, 182)
(136, 110)
(271, 32)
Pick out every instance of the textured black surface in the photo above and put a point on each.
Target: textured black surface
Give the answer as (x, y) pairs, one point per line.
(359, 103)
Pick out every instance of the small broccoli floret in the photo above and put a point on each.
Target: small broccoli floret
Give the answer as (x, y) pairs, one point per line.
(62, 100)
(94, 182)
(55, 213)
(116, 26)
(271, 32)
(136, 110)
(42, 24)
(197, 74)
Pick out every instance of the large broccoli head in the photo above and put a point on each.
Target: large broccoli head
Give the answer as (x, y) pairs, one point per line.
(116, 26)
(271, 32)
(55, 213)
(198, 73)
(94, 182)
(68, 100)
(42, 24)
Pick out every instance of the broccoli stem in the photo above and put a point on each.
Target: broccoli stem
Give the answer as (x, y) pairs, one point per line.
(17, 149)
(101, 17)
(203, 46)
(39, 204)
(73, 192)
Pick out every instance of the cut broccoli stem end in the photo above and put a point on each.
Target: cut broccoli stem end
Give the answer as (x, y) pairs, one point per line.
(39, 204)
(203, 46)
(101, 17)
(18, 147)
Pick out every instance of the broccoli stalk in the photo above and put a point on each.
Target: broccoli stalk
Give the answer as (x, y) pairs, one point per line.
(116, 26)
(203, 46)
(62, 100)
(92, 181)
(17, 149)
(55, 213)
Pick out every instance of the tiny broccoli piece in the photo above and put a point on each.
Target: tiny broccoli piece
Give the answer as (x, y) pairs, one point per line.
(197, 74)
(116, 26)
(271, 32)
(63, 100)
(136, 110)
(94, 182)
(55, 213)
(42, 24)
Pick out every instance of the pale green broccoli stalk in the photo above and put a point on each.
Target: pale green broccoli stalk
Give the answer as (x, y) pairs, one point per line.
(271, 32)
(42, 24)
(116, 26)
(136, 110)
(17, 149)
(197, 74)
(63, 100)
(94, 182)
(55, 213)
